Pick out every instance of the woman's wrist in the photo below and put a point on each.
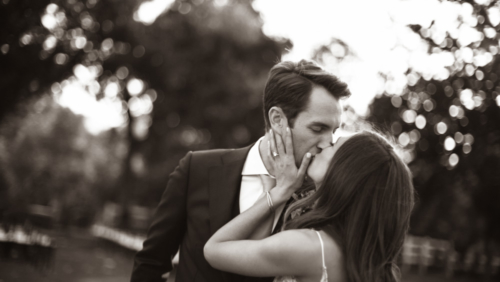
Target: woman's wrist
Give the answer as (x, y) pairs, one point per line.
(280, 195)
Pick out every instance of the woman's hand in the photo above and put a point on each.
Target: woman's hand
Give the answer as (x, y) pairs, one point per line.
(233, 249)
(289, 178)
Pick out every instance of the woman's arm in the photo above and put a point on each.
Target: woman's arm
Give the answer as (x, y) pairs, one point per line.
(288, 253)
(243, 225)
(226, 250)
(264, 228)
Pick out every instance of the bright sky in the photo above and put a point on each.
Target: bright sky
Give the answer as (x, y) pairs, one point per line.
(376, 31)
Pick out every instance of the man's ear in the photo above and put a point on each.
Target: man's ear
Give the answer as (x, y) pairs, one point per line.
(277, 120)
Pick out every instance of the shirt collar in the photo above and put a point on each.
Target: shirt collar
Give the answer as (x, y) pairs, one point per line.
(254, 164)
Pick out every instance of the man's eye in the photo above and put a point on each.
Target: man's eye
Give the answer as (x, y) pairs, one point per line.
(317, 129)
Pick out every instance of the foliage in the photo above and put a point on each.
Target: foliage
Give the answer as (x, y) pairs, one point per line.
(48, 158)
(190, 80)
(449, 127)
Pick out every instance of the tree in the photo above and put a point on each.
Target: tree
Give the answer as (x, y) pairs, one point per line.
(192, 79)
(48, 158)
(449, 127)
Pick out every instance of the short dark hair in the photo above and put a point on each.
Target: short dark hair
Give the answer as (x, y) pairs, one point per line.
(289, 87)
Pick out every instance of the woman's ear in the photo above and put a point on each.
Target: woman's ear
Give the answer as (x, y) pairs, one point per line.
(278, 120)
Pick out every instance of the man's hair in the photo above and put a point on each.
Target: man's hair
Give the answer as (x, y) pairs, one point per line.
(289, 87)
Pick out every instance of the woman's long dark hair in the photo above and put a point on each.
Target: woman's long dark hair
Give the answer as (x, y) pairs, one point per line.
(365, 202)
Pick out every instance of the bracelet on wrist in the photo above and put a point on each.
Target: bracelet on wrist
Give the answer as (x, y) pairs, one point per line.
(270, 201)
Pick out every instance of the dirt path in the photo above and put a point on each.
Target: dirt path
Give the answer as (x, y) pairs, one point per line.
(79, 257)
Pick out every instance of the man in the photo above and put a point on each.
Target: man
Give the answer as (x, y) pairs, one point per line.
(209, 188)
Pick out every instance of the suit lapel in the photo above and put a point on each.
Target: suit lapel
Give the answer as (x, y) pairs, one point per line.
(224, 185)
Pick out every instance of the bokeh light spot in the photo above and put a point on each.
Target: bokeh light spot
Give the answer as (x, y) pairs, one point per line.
(83, 74)
(50, 42)
(428, 105)
(51, 8)
(49, 21)
(453, 160)
(479, 75)
(461, 112)
(140, 127)
(448, 91)
(408, 156)
(5, 49)
(26, 39)
(107, 26)
(441, 128)
(466, 54)
(135, 86)
(467, 148)
(55, 88)
(459, 137)
(494, 15)
(420, 121)
(404, 139)
(449, 143)
(453, 111)
(149, 10)
(396, 101)
(184, 8)
(396, 128)
(61, 59)
(409, 116)
(107, 44)
(140, 105)
(139, 51)
(80, 42)
(173, 119)
(152, 94)
(111, 89)
(469, 138)
(414, 136)
(466, 98)
(122, 72)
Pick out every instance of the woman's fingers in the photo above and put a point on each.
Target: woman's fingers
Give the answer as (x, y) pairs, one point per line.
(269, 153)
(288, 142)
(269, 149)
(303, 165)
(274, 150)
(279, 143)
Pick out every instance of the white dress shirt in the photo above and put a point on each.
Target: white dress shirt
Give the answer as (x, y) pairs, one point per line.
(251, 184)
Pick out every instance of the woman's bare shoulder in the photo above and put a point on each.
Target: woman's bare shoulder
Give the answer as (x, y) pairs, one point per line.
(334, 257)
(297, 249)
(301, 249)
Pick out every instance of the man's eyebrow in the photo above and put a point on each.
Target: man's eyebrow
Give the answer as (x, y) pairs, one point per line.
(318, 123)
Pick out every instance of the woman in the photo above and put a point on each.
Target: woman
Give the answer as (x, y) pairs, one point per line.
(354, 231)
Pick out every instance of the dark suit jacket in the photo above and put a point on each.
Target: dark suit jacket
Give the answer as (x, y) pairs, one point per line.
(202, 195)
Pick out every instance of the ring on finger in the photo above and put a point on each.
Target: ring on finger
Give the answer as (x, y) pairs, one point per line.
(275, 154)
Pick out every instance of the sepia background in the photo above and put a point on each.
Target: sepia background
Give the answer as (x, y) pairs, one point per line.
(101, 98)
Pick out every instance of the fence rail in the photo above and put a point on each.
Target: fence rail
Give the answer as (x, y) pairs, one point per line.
(419, 252)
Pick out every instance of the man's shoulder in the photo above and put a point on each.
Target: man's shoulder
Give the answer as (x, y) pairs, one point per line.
(219, 156)
(211, 152)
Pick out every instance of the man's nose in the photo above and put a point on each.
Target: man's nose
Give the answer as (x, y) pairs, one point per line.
(326, 141)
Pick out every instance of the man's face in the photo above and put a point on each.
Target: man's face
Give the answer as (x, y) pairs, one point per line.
(314, 127)
(319, 166)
